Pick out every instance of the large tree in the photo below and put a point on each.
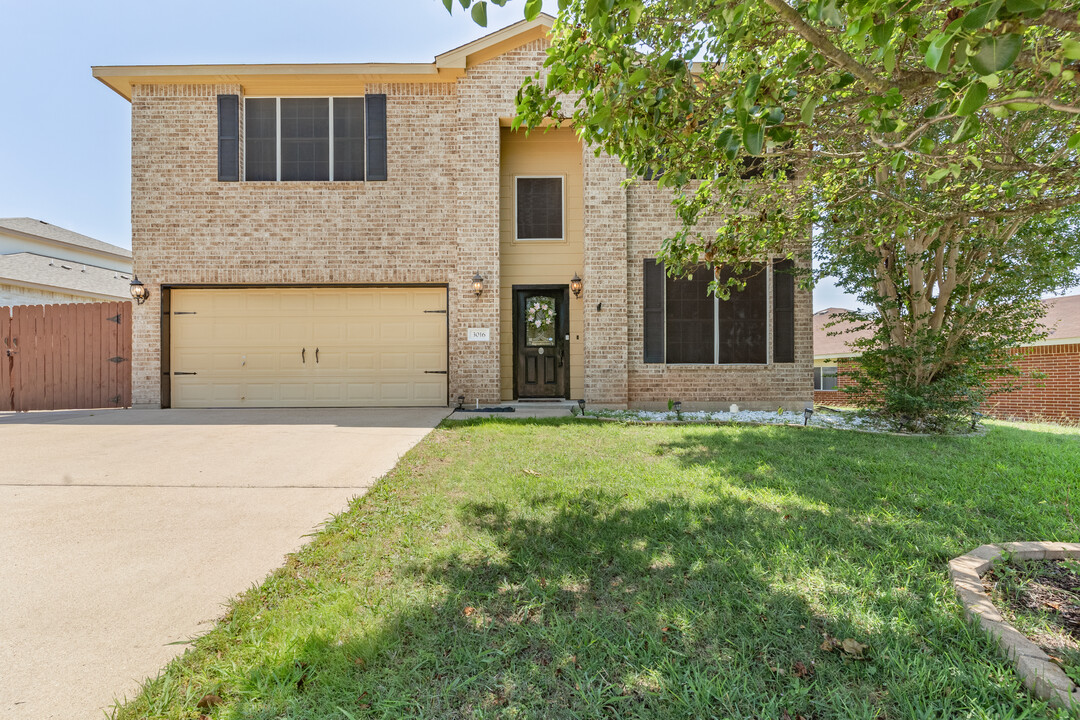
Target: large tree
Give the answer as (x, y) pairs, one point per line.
(931, 145)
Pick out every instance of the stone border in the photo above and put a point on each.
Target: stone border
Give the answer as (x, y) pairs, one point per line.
(980, 431)
(1039, 675)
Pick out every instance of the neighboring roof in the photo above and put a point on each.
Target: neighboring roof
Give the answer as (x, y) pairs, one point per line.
(1062, 320)
(30, 227)
(826, 344)
(329, 78)
(63, 275)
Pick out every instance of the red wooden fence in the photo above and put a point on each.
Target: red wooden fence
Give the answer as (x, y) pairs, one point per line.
(64, 357)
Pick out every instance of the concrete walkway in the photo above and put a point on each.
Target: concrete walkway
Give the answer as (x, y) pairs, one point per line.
(122, 531)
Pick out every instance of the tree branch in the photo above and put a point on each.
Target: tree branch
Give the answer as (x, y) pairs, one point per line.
(826, 46)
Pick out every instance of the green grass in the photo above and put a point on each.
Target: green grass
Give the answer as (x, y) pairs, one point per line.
(569, 569)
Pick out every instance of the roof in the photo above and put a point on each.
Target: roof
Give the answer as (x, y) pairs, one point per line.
(31, 227)
(1062, 320)
(50, 273)
(827, 344)
(328, 78)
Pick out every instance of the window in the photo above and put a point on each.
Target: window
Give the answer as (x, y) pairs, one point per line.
(315, 139)
(538, 208)
(825, 377)
(685, 324)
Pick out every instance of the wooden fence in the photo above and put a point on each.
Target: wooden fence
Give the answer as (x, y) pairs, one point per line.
(64, 357)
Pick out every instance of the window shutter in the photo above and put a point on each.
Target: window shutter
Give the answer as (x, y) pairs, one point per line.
(783, 311)
(654, 311)
(228, 138)
(376, 137)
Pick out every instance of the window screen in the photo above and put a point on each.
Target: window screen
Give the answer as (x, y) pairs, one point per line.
(348, 138)
(305, 139)
(825, 377)
(743, 319)
(539, 208)
(689, 318)
(260, 139)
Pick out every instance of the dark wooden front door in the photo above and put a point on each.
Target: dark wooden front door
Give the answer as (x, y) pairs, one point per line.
(541, 345)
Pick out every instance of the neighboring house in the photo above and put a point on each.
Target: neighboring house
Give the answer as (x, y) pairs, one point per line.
(42, 264)
(1050, 385)
(376, 234)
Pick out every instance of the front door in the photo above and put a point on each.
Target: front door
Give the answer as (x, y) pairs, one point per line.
(541, 343)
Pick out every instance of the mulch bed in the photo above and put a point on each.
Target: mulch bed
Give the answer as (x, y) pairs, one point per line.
(1043, 596)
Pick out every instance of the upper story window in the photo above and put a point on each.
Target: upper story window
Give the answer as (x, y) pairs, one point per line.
(313, 139)
(538, 207)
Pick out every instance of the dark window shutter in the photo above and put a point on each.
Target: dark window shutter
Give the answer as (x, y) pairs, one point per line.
(654, 311)
(376, 137)
(228, 108)
(783, 311)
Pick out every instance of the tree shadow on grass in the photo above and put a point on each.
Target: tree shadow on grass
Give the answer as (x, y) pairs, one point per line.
(585, 604)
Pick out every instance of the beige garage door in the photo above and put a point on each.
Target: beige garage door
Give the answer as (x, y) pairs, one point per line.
(308, 347)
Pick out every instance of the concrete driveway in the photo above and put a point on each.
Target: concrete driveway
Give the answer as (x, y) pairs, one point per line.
(122, 531)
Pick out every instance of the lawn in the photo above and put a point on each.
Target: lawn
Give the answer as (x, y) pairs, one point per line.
(575, 569)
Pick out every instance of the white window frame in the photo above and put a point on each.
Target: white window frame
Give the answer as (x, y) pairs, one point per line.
(562, 179)
(277, 139)
(819, 378)
(716, 330)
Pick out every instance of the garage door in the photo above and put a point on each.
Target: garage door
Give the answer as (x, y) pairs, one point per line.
(308, 347)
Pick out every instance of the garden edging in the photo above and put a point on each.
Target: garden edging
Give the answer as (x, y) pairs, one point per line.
(1038, 673)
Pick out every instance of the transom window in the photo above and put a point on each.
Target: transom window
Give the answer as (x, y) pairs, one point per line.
(538, 207)
(304, 139)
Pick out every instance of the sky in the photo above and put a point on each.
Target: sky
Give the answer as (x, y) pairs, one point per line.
(65, 137)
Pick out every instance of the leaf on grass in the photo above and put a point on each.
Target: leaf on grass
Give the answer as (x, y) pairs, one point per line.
(208, 700)
(468, 611)
(527, 471)
(800, 670)
(854, 648)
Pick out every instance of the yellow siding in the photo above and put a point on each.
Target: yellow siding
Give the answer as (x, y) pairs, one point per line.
(532, 262)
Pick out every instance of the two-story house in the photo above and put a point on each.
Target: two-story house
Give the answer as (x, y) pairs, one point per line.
(377, 235)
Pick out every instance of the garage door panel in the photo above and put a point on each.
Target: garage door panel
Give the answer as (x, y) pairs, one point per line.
(256, 347)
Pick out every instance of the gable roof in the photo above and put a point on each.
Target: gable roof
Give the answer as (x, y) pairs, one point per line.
(329, 78)
(1062, 320)
(39, 229)
(60, 275)
(827, 344)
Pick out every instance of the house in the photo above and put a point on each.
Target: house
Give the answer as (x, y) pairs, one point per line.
(42, 264)
(1049, 390)
(377, 235)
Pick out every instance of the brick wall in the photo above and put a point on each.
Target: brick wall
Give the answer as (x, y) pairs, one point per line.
(1053, 398)
(651, 219)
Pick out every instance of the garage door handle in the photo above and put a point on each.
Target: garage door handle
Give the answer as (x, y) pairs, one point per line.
(185, 373)
(316, 356)
(303, 356)
(434, 372)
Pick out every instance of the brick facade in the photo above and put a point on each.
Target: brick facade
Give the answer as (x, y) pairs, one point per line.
(1048, 388)
(434, 221)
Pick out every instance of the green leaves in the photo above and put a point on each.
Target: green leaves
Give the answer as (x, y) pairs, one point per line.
(938, 54)
(977, 17)
(479, 14)
(995, 54)
(754, 138)
(1074, 142)
(973, 99)
(533, 8)
(806, 112)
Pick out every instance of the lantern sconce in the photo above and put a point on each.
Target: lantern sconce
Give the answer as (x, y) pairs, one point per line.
(477, 284)
(139, 292)
(575, 285)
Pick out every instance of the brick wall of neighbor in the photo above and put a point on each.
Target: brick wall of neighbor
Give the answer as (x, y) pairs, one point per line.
(650, 219)
(1053, 398)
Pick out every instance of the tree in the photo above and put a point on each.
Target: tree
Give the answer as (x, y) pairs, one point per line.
(932, 146)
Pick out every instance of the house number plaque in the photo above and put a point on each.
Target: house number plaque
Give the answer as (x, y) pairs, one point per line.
(479, 335)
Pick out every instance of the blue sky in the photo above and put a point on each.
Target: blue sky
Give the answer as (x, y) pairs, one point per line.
(65, 137)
